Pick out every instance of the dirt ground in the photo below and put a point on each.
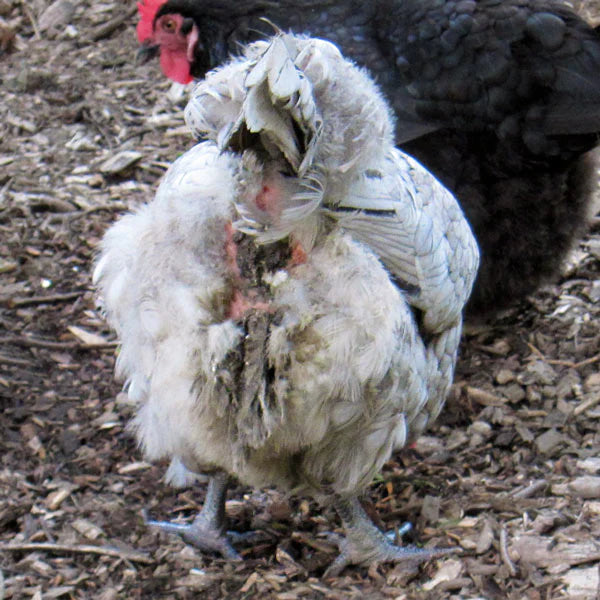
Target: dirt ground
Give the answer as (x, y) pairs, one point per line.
(509, 475)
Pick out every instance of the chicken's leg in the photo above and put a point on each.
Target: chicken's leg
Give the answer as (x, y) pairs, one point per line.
(364, 544)
(207, 531)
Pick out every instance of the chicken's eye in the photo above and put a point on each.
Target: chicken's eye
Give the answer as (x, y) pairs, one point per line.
(169, 25)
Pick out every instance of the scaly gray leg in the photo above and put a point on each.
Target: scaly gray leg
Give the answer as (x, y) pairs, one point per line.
(364, 544)
(207, 531)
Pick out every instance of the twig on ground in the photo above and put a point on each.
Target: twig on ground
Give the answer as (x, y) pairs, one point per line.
(17, 362)
(37, 343)
(104, 30)
(51, 299)
(32, 19)
(564, 363)
(116, 206)
(587, 404)
(530, 490)
(504, 552)
(130, 555)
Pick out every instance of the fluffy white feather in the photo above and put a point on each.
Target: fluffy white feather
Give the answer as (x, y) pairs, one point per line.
(346, 369)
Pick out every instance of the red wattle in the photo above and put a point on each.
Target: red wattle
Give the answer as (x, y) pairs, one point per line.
(175, 65)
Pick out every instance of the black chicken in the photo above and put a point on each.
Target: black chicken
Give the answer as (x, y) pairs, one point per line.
(500, 99)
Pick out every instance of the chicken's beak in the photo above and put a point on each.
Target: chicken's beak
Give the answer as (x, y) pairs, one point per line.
(147, 52)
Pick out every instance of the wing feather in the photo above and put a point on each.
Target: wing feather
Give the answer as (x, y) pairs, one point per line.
(415, 227)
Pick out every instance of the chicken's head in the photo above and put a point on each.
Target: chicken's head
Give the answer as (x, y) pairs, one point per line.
(171, 34)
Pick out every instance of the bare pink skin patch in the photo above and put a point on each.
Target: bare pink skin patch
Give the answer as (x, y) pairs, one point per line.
(270, 200)
(299, 256)
(241, 302)
(270, 197)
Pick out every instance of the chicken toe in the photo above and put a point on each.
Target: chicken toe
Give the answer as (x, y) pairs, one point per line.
(364, 544)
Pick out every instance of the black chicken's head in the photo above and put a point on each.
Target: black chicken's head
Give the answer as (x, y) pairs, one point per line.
(188, 39)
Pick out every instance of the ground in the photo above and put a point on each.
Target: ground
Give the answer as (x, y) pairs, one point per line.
(509, 475)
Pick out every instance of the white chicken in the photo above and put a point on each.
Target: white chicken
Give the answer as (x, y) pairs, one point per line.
(289, 305)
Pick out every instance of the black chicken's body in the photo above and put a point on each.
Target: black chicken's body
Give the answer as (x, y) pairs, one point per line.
(499, 99)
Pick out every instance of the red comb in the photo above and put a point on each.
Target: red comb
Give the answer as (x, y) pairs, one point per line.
(147, 10)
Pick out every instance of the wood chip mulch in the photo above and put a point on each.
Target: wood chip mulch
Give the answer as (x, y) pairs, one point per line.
(509, 475)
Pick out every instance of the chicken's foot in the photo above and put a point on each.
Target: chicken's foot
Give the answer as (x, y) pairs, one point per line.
(364, 544)
(207, 531)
